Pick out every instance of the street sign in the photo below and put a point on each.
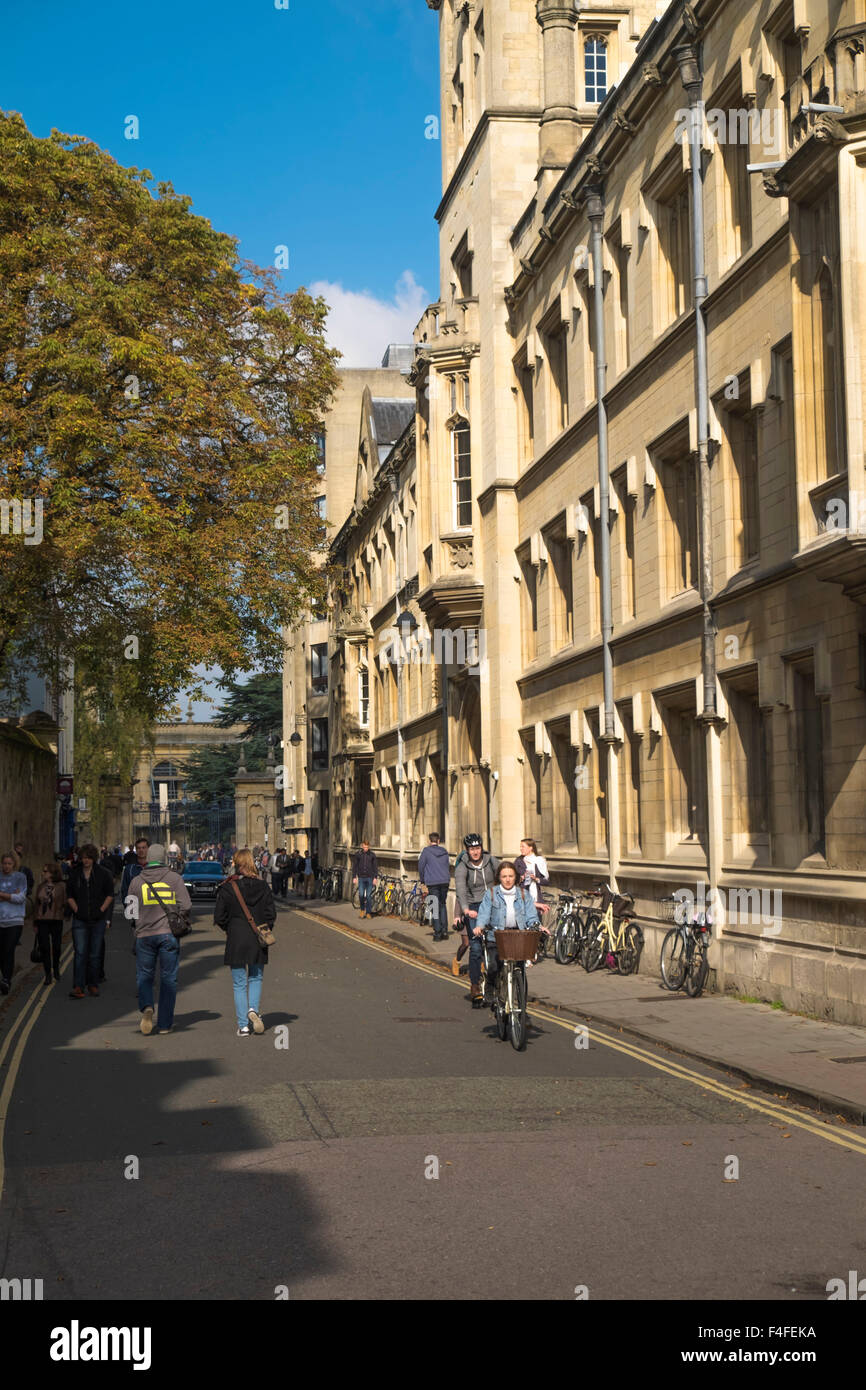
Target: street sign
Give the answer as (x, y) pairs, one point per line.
(64, 786)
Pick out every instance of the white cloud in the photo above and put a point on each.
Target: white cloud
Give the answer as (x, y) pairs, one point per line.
(362, 326)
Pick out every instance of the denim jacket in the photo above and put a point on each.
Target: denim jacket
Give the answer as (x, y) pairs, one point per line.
(492, 912)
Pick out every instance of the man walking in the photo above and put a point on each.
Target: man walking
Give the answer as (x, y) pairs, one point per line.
(365, 872)
(90, 894)
(13, 896)
(280, 876)
(434, 870)
(154, 890)
(134, 866)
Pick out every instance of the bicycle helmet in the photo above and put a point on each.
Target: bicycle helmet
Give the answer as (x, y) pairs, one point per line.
(470, 840)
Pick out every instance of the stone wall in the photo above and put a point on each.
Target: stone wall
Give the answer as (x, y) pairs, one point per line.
(28, 791)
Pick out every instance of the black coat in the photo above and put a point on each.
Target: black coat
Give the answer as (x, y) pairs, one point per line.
(242, 947)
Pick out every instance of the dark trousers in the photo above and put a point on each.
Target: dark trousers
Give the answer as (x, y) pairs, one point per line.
(49, 935)
(476, 954)
(9, 938)
(439, 891)
(88, 939)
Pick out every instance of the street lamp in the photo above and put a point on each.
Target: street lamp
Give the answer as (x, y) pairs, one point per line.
(266, 819)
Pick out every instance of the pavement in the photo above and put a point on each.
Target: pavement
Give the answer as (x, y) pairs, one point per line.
(802, 1059)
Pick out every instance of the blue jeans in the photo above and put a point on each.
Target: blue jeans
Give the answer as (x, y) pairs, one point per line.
(244, 1001)
(365, 889)
(88, 939)
(164, 948)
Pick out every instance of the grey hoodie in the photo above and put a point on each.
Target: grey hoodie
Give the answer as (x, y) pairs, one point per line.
(151, 918)
(471, 881)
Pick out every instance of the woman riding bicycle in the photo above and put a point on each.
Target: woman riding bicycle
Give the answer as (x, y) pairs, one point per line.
(504, 907)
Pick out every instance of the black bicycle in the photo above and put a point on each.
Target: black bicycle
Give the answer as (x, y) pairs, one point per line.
(570, 929)
(684, 950)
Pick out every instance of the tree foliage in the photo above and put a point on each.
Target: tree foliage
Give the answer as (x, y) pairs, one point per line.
(208, 772)
(161, 400)
(257, 704)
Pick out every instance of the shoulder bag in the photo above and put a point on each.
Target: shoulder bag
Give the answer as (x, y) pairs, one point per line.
(264, 935)
(177, 920)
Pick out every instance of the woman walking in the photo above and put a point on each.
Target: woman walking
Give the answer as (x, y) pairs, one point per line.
(241, 898)
(48, 919)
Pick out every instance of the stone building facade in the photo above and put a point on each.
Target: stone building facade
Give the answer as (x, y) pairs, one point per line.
(638, 465)
(370, 409)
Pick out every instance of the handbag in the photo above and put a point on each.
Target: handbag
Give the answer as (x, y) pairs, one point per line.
(264, 935)
(36, 953)
(177, 919)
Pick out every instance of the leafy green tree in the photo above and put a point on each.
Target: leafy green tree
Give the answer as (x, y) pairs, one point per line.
(160, 401)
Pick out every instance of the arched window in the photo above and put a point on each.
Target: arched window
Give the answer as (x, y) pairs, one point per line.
(595, 67)
(165, 772)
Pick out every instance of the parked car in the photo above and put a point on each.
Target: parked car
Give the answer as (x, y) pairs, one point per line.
(203, 877)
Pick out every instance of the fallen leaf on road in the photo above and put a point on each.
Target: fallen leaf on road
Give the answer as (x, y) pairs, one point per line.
(205, 1122)
(60, 1208)
(686, 1143)
(650, 1165)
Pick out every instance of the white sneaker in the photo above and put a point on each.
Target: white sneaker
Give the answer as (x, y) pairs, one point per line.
(256, 1020)
(243, 1032)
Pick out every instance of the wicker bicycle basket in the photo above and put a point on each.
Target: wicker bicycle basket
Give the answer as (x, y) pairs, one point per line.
(516, 945)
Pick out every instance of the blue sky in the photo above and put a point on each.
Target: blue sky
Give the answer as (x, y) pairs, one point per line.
(301, 127)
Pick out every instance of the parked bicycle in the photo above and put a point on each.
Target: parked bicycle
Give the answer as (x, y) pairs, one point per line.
(571, 925)
(614, 938)
(417, 906)
(387, 896)
(329, 885)
(684, 950)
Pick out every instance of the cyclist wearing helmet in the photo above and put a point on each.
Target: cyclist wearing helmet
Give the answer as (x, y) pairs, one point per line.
(474, 873)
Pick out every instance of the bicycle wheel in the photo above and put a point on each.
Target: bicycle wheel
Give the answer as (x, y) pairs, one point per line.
(561, 943)
(376, 899)
(399, 902)
(356, 898)
(500, 1011)
(699, 968)
(673, 961)
(594, 946)
(517, 1015)
(628, 956)
(405, 905)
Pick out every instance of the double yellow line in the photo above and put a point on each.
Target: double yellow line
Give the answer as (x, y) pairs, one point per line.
(779, 1113)
(17, 1039)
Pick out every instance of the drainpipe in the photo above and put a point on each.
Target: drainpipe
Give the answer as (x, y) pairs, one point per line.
(688, 58)
(398, 584)
(594, 208)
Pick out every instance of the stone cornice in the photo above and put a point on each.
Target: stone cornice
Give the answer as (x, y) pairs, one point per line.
(498, 485)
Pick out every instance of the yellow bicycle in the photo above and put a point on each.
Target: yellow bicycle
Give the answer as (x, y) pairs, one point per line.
(613, 937)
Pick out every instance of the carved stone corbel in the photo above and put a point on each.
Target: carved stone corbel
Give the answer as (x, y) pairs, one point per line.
(651, 75)
(830, 131)
(775, 187)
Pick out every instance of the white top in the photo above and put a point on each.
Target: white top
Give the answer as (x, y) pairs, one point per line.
(535, 864)
(510, 896)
